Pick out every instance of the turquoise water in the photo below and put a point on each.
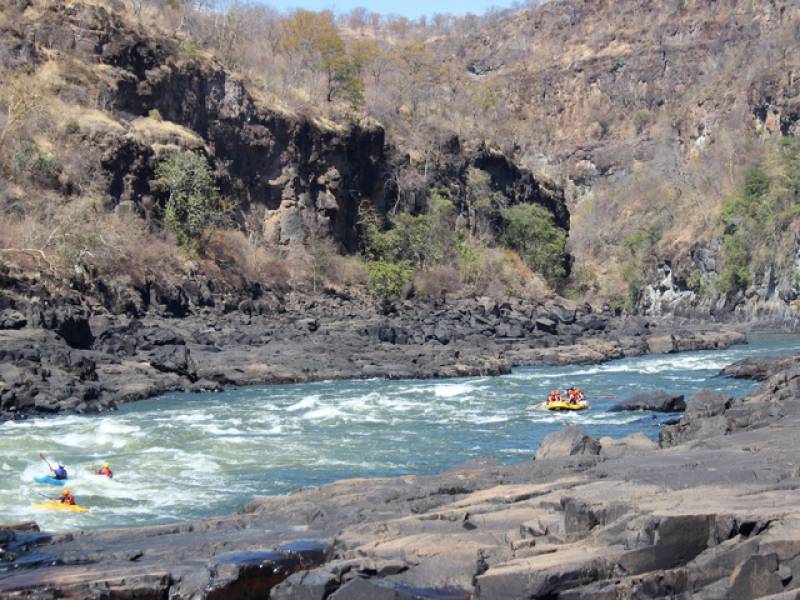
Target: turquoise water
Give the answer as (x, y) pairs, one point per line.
(189, 455)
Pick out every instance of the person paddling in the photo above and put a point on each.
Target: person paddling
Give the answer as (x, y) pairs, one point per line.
(66, 497)
(60, 473)
(104, 470)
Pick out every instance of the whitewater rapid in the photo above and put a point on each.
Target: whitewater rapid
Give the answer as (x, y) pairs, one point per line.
(189, 455)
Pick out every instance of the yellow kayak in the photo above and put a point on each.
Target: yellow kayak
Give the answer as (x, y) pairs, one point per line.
(566, 406)
(56, 505)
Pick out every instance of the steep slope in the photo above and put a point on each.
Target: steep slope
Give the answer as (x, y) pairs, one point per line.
(650, 113)
(113, 100)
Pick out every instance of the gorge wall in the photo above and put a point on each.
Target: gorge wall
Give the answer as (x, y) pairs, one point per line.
(650, 114)
(294, 177)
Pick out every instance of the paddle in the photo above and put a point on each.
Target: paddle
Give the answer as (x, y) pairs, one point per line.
(41, 455)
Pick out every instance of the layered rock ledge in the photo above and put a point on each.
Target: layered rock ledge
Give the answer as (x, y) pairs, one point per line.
(712, 514)
(67, 358)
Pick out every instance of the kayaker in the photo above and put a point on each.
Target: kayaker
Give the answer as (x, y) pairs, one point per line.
(59, 473)
(67, 498)
(104, 470)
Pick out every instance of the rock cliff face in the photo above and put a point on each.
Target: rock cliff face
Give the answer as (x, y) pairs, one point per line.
(771, 298)
(294, 177)
(649, 113)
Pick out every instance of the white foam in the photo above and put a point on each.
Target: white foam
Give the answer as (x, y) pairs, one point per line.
(324, 413)
(483, 420)
(192, 417)
(451, 390)
(305, 403)
(107, 426)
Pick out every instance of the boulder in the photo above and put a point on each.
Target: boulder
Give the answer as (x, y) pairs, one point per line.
(706, 403)
(570, 441)
(636, 443)
(704, 417)
(655, 401)
(674, 541)
(248, 575)
(70, 322)
(173, 359)
(755, 578)
(564, 310)
(759, 368)
(172, 299)
(12, 319)
(546, 325)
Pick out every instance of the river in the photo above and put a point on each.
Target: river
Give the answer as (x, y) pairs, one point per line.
(183, 456)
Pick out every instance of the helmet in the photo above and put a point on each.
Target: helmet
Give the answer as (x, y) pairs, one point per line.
(61, 465)
(65, 492)
(106, 466)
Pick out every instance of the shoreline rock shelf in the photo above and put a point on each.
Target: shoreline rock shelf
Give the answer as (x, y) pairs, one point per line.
(70, 359)
(712, 514)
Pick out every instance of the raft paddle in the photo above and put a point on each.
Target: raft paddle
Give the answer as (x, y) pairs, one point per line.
(41, 455)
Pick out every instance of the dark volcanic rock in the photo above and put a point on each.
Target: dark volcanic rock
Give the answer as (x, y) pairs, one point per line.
(546, 325)
(12, 319)
(704, 416)
(654, 401)
(298, 338)
(174, 359)
(248, 575)
(759, 368)
(70, 322)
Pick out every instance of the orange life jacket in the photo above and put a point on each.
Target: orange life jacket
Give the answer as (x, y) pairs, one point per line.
(69, 500)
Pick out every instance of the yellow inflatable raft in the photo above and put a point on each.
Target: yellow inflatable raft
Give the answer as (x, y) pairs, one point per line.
(564, 405)
(56, 505)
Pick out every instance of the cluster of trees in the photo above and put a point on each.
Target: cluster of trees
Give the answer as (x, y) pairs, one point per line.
(757, 221)
(402, 72)
(438, 253)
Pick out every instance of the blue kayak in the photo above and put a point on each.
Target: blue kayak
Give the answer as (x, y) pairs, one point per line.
(49, 480)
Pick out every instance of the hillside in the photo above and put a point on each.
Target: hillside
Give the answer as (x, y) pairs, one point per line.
(651, 114)
(372, 153)
(134, 160)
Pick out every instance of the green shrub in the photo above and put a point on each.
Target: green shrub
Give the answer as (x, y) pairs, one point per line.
(470, 262)
(640, 120)
(697, 283)
(529, 230)
(637, 249)
(37, 164)
(755, 221)
(420, 240)
(735, 275)
(194, 203)
(385, 279)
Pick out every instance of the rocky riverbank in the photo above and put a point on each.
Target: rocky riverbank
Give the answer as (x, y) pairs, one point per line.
(712, 513)
(58, 356)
